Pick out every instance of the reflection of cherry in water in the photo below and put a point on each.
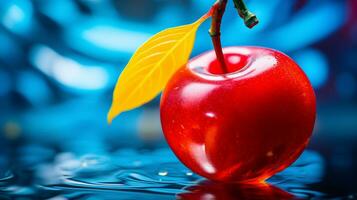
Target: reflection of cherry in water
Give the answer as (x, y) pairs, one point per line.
(219, 191)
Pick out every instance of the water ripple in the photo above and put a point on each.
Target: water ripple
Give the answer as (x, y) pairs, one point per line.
(156, 174)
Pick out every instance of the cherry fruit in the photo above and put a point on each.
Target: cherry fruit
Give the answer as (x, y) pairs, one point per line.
(244, 125)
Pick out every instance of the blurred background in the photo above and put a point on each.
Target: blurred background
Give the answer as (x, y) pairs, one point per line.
(59, 61)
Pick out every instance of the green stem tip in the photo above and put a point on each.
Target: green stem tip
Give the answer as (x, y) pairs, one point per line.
(250, 19)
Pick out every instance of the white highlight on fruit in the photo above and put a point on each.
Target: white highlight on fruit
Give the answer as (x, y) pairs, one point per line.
(195, 91)
(258, 62)
(200, 156)
(210, 115)
(234, 59)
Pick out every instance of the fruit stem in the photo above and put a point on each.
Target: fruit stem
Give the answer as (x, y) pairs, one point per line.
(218, 10)
(249, 18)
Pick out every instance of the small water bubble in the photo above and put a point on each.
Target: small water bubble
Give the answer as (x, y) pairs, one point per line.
(87, 163)
(163, 173)
(189, 173)
(58, 198)
(69, 165)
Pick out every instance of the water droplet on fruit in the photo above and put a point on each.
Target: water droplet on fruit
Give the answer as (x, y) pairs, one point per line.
(270, 154)
(211, 115)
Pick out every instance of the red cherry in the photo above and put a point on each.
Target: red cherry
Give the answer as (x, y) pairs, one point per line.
(242, 126)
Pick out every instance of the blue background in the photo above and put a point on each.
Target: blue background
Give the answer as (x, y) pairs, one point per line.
(59, 61)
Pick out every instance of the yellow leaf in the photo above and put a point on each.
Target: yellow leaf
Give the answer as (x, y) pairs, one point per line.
(151, 67)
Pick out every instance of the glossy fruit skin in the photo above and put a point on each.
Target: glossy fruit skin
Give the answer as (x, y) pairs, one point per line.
(242, 126)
